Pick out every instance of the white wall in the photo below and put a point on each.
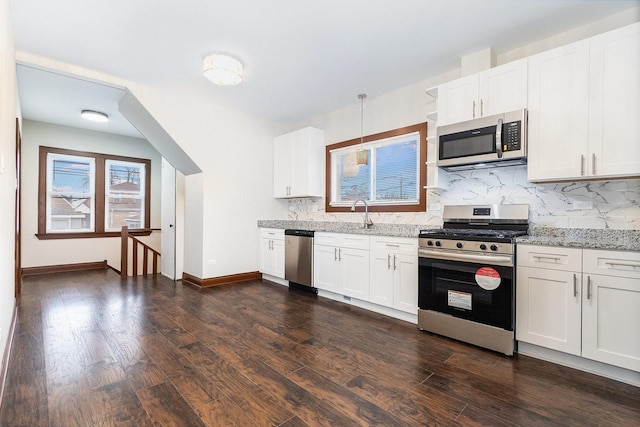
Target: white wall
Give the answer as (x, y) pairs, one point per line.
(616, 204)
(8, 114)
(235, 189)
(69, 251)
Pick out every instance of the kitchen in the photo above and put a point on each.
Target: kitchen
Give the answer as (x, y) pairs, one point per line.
(592, 204)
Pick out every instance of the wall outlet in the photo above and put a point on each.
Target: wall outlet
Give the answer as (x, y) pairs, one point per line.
(213, 261)
(582, 204)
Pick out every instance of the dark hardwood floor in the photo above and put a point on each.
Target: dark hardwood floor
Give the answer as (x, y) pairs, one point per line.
(92, 350)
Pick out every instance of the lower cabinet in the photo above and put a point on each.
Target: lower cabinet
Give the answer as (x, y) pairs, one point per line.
(582, 302)
(341, 264)
(272, 252)
(394, 273)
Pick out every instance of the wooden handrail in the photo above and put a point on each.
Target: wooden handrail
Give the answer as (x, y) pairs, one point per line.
(125, 235)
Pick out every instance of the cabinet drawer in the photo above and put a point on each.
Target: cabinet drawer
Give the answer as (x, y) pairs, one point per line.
(272, 233)
(354, 241)
(550, 257)
(395, 244)
(612, 263)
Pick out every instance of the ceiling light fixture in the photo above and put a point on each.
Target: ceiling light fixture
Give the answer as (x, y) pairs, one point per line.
(222, 69)
(94, 116)
(362, 155)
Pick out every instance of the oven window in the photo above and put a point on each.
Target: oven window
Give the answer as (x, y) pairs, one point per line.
(452, 287)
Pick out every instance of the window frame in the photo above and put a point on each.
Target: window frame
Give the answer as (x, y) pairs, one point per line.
(421, 128)
(99, 195)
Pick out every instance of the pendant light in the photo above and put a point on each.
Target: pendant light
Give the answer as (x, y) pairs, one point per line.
(362, 155)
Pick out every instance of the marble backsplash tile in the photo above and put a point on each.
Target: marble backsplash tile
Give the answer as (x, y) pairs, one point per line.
(607, 204)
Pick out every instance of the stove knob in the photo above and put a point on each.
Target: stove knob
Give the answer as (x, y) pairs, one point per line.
(438, 243)
(429, 242)
(483, 246)
(459, 245)
(494, 248)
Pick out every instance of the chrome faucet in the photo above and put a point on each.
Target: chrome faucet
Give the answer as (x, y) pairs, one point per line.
(367, 222)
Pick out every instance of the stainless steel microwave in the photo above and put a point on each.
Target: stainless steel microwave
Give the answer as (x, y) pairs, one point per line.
(492, 141)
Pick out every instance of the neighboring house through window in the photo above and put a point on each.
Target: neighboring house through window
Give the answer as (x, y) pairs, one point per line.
(85, 194)
(392, 179)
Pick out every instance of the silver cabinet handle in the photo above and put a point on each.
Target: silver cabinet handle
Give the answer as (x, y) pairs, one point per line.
(335, 254)
(582, 165)
(588, 287)
(499, 138)
(575, 285)
(388, 262)
(474, 110)
(389, 245)
(270, 244)
(623, 264)
(339, 254)
(593, 163)
(481, 108)
(394, 263)
(552, 258)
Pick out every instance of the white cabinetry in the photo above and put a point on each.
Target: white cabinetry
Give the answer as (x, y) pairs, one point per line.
(341, 264)
(493, 91)
(611, 307)
(584, 100)
(272, 252)
(298, 164)
(394, 273)
(582, 302)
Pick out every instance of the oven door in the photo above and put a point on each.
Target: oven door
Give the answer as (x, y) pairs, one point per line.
(473, 291)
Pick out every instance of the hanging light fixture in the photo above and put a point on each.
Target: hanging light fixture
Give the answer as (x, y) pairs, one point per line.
(362, 155)
(222, 69)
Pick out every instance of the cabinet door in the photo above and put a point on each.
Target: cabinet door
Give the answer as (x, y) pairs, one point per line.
(559, 113)
(405, 282)
(548, 308)
(611, 321)
(382, 274)
(282, 162)
(355, 268)
(327, 271)
(503, 89)
(457, 100)
(267, 257)
(277, 248)
(614, 104)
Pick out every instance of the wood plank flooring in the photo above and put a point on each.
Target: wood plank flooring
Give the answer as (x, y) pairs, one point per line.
(92, 350)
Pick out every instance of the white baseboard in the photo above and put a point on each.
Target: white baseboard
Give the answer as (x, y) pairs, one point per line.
(591, 366)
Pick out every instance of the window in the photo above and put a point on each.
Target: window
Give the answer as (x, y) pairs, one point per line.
(91, 195)
(392, 180)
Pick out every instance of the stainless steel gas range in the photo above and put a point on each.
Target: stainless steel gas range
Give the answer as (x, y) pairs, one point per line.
(466, 279)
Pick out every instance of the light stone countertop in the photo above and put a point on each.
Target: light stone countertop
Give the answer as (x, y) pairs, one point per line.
(627, 240)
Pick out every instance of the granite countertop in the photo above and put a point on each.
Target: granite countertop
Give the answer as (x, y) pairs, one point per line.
(627, 240)
(588, 238)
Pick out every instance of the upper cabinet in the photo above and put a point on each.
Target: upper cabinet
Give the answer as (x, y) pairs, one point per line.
(584, 101)
(298, 164)
(493, 91)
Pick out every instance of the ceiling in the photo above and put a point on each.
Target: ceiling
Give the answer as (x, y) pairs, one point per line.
(301, 58)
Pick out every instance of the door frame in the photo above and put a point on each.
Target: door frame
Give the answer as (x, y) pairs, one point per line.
(18, 232)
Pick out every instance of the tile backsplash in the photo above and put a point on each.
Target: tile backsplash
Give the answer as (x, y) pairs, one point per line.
(586, 204)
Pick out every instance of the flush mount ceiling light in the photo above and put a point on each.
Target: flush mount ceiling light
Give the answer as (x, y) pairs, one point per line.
(94, 116)
(222, 69)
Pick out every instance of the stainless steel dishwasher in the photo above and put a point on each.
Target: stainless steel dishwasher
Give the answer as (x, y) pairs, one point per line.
(298, 259)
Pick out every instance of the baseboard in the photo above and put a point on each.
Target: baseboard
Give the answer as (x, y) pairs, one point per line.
(7, 351)
(220, 280)
(61, 268)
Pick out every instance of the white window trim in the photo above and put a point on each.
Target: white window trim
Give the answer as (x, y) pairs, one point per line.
(91, 193)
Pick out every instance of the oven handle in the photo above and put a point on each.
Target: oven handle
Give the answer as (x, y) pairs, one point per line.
(456, 256)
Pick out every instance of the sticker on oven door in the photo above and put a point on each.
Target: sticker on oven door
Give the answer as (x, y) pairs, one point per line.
(459, 299)
(488, 278)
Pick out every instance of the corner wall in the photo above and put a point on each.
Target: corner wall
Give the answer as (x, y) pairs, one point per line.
(8, 114)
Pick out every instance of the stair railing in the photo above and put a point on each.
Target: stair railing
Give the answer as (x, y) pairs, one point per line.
(147, 253)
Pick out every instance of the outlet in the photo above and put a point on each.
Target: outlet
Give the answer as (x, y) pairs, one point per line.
(213, 261)
(582, 204)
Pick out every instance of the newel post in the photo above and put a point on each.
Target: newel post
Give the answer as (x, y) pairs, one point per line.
(124, 249)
